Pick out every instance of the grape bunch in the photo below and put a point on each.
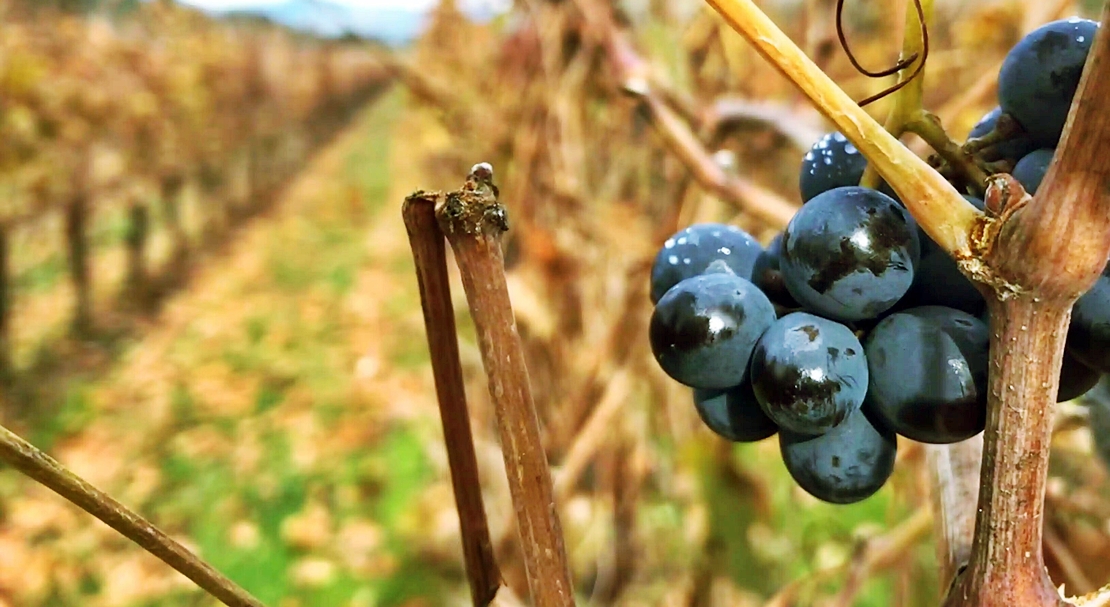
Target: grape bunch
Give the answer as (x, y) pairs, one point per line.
(852, 326)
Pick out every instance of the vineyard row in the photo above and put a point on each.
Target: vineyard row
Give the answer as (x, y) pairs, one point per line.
(134, 117)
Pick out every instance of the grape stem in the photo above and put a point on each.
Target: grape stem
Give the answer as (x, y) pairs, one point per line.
(29, 460)
(936, 204)
(927, 126)
(908, 99)
(908, 114)
(1007, 564)
(1051, 248)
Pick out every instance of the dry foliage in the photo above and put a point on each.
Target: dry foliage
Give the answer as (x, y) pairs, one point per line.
(588, 134)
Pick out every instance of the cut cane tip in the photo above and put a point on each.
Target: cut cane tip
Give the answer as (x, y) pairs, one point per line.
(482, 170)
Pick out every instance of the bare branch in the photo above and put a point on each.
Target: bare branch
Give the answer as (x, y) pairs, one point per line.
(23, 456)
(934, 202)
(800, 130)
(430, 256)
(954, 472)
(676, 134)
(473, 221)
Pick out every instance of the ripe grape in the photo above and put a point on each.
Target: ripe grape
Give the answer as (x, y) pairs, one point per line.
(832, 162)
(928, 369)
(690, 251)
(808, 373)
(1089, 333)
(769, 258)
(846, 464)
(1010, 149)
(1040, 75)
(767, 274)
(734, 413)
(1076, 378)
(704, 328)
(849, 254)
(1030, 170)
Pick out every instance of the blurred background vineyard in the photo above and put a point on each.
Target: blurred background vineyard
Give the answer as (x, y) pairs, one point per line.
(208, 307)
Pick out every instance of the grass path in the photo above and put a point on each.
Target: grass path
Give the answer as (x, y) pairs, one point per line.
(278, 418)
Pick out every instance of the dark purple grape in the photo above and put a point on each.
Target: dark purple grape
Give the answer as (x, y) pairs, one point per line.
(1076, 379)
(691, 251)
(769, 258)
(704, 328)
(1011, 149)
(734, 413)
(1089, 333)
(808, 373)
(849, 254)
(767, 275)
(1098, 402)
(846, 464)
(938, 281)
(1040, 75)
(928, 369)
(1031, 169)
(832, 162)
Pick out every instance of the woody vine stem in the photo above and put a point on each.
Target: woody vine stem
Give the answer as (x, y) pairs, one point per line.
(1032, 256)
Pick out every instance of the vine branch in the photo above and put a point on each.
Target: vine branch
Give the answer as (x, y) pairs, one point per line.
(934, 202)
(430, 257)
(29, 460)
(908, 99)
(1051, 249)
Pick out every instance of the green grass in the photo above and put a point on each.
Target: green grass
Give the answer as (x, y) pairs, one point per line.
(73, 414)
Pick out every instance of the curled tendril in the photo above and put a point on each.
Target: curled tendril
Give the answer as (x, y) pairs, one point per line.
(897, 67)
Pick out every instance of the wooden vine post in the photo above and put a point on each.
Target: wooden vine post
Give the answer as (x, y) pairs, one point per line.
(429, 253)
(77, 245)
(138, 233)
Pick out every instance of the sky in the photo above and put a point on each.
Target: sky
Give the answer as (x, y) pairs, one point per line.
(414, 5)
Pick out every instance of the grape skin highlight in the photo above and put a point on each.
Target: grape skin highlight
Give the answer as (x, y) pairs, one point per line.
(690, 252)
(703, 329)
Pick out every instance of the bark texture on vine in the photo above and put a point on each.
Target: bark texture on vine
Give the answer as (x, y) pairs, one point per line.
(1045, 251)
